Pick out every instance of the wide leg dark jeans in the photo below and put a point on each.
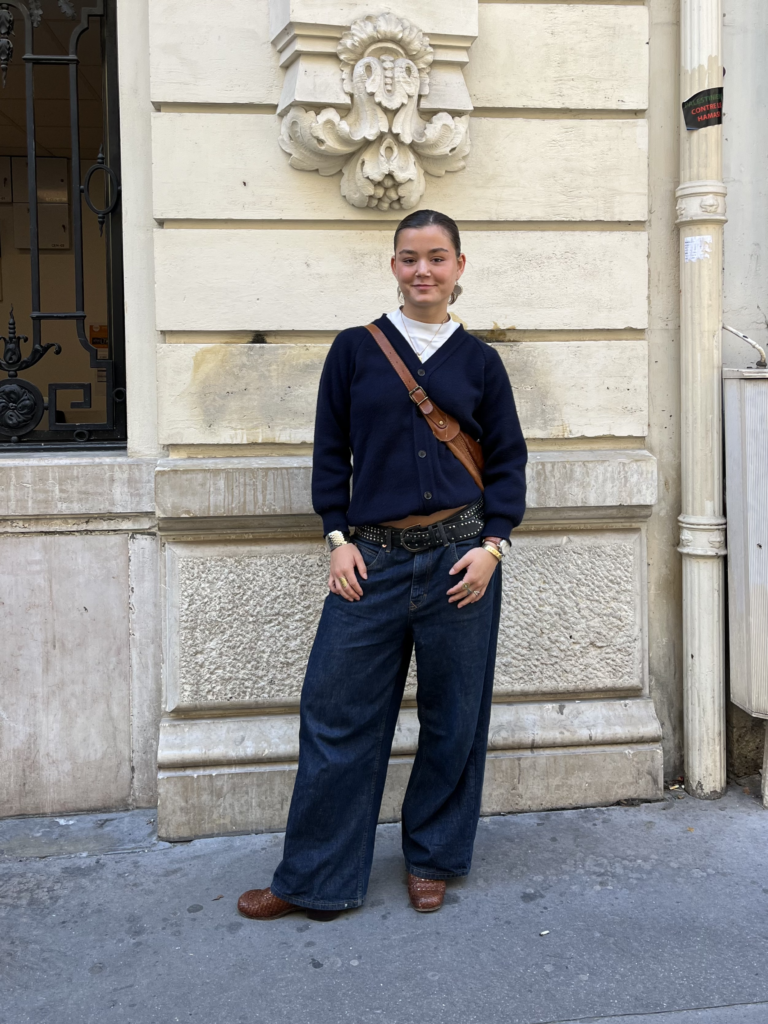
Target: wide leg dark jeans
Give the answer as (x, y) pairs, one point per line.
(349, 706)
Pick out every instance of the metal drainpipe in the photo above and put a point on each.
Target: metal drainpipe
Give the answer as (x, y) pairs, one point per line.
(701, 215)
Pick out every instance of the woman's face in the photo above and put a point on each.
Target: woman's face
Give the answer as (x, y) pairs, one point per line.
(426, 266)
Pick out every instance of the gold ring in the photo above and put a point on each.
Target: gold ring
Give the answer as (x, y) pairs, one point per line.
(468, 589)
(343, 581)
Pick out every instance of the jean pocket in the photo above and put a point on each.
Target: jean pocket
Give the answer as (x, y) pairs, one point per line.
(459, 548)
(371, 552)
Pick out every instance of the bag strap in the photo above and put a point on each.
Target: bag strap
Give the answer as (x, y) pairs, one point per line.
(444, 427)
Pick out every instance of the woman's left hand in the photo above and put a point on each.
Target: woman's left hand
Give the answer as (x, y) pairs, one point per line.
(480, 565)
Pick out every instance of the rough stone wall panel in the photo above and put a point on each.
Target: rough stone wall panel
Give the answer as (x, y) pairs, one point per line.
(245, 621)
(242, 620)
(572, 618)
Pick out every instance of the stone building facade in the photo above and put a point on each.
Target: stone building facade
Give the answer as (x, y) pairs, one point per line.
(160, 602)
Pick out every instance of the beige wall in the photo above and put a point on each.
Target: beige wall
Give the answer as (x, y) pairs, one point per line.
(553, 203)
(554, 208)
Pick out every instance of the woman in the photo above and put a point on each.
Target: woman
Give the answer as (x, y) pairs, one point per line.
(422, 569)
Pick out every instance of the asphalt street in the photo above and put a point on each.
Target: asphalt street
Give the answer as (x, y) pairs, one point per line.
(653, 914)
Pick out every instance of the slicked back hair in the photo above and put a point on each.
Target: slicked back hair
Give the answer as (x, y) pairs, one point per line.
(427, 218)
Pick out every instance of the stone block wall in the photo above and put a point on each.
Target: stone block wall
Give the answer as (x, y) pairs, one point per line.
(240, 269)
(553, 206)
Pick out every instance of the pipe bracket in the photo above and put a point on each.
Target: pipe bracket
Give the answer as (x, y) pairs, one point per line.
(702, 536)
(701, 202)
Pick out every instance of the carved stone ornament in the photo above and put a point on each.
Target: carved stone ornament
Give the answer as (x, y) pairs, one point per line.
(382, 147)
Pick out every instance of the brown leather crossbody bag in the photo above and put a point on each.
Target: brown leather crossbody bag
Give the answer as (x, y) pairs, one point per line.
(445, 428)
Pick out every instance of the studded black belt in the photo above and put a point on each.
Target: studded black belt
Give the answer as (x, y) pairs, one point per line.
(461, 526)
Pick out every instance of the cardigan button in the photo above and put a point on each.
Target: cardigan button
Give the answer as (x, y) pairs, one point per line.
(422, 454)
(421, 372)
(427, 495)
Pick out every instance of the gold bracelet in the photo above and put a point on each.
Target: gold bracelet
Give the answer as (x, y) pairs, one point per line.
(493, 549)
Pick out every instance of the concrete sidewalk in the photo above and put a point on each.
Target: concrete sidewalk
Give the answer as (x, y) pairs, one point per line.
(656, 914)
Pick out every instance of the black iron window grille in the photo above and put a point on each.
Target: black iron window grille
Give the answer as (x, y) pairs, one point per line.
(30, 418)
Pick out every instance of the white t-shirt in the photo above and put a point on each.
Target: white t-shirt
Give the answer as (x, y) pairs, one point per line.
(424, 339)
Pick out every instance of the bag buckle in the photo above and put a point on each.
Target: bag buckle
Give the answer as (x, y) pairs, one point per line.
(418, 401)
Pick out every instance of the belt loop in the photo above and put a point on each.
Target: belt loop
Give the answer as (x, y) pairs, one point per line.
(388, 545)
(443, 534)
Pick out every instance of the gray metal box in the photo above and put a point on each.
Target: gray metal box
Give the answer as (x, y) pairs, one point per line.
(745, 412)
(52, 179)
(52, 225)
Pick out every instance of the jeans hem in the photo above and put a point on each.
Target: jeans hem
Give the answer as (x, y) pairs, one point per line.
(437, 876)
(298, 901)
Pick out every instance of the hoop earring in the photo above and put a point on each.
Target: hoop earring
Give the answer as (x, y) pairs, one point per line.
(400, 297)
(455, 294)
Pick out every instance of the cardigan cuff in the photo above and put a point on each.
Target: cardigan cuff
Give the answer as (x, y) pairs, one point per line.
(334, 520)
(498, 526)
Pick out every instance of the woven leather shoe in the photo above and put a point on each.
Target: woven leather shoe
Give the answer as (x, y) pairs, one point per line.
(263, 905)
(426, 894)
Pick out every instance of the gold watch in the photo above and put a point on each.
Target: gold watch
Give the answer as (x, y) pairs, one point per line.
(497, 546)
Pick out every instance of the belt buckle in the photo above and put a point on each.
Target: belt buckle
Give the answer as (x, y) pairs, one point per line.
(404, 542)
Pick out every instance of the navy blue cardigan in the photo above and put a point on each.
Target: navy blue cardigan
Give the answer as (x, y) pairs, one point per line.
(364, 415)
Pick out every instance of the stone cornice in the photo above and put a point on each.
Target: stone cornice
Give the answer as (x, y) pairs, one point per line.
(271, 495)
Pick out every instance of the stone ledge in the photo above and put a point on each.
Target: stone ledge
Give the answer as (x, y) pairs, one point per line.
(195, 803)
(273, 486)
(205, 742)
(67, 485)
(98, 522)
(257, 486)
(591, 479)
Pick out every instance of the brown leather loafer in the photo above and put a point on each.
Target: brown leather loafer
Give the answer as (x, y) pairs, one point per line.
(426, 894)
(263, 905)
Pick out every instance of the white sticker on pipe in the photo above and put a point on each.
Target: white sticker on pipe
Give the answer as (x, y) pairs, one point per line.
(698, 247)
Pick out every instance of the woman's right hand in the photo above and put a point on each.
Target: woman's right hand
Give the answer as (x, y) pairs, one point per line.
(344, 561)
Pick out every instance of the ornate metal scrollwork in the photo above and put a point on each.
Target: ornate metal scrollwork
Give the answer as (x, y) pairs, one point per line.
(36, 10)
(21, 403)
(113, 189)
(12, 361)
(383, 146)
(21, 407)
